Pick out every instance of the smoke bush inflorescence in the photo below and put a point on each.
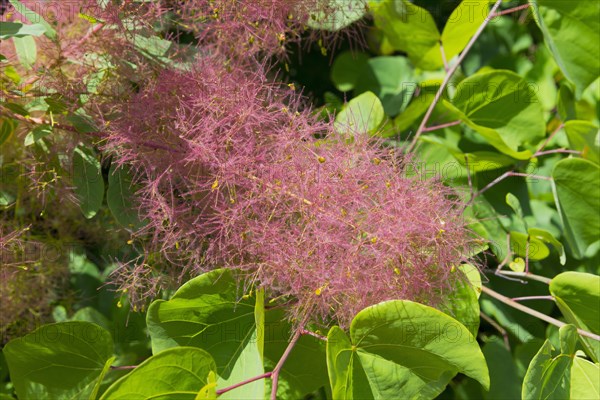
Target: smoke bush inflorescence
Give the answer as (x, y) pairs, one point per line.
(236, 173)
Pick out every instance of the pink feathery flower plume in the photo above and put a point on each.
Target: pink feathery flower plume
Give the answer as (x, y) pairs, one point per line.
(338, 225)
(233, 175)
(193, 137)
(245, 28)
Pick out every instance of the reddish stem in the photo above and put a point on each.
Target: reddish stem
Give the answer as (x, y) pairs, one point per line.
(313, 334)
(441, 126)
(279, 366)
(549, 138)
(511, 10)
(533, 312)
(242, 383)
(563, 151)
(123, 367)
(448, 76)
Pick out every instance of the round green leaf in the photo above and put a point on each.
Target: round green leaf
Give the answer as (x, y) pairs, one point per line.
(572, 33)
(333, 15)
(462, 303)
(537, 248)
(505, 383)
(577, 295)
(178, 373)
(205, 312)
(585, 137)
(401, 349)
(391, 79)
(26, 50)
(59, 361)
(363, 113)
(411, 29)
(347, 68)
(577, 194)
(88, 181)
(462, 25)
(585, 380)
(503, 108)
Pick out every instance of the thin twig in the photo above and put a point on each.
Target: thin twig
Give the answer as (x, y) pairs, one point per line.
(527, 298)
(313, 334)
(244, 382)
(69, 128)
(560, 151)
(496, 326)
(279, 366)
(549, 138)
(511, 10)
(123, 367)
(534, 313)
(508, 175)
(441, 126)
(524, 275)
(451, 72)
(444, 59)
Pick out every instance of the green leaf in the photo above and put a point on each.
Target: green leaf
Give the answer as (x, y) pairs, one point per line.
(205, 312)
(502, 108)
(209, 391)
(346, 70)
(305, 370)
(537, 249)
(416, 108)
(333, 15)
(37, 133)
(363, 113)
(250, 361)
(585, 380)
(63, 360)
(577, 195)
(547, 237)
(6, 129)
(411, 29)
(81, 123)
(507, 319)
(26, 50)
(177, 373)
(121, 199)
(88, 181)
(17, 108)
(571, 31)
(34, 17)
(577, 295)
(549, 375)
(565, 104)
(474, 277)
(96, 390)
(462, 24)
(515, 204)
(462, 304)
(19, 30)
(391, 79)
(584, 136)
(393, 352)
(152, 46)
(504, 381)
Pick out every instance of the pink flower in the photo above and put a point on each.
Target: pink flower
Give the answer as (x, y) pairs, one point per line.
(233, 175)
